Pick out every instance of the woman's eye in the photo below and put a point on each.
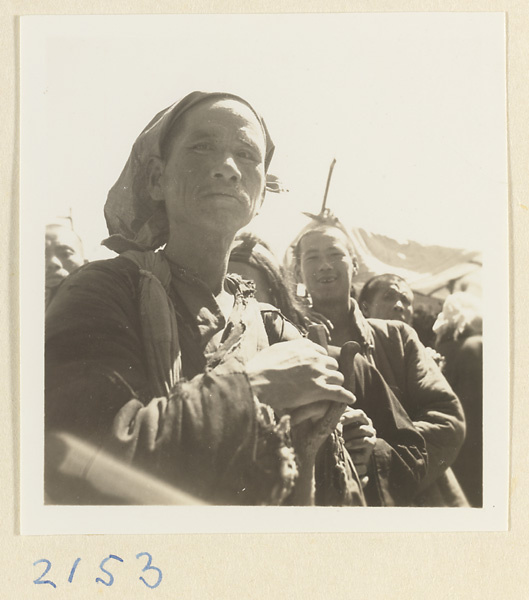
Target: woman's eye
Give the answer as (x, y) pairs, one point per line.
(202, 147)
(246, 155)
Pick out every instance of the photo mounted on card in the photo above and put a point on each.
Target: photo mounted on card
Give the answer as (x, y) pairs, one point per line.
(264, 273)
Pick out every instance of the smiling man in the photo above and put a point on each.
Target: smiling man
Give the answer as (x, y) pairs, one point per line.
(326, 263)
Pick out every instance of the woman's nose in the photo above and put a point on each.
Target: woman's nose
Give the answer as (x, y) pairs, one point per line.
(226, 168)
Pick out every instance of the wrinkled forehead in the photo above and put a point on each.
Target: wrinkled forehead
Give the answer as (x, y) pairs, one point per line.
(214, 114)
(231, 106)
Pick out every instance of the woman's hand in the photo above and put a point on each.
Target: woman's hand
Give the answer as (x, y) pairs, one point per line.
(294, 374)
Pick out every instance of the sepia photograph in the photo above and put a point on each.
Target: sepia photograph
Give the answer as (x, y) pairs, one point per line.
(266, 280)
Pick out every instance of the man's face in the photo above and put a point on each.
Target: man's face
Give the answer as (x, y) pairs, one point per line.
(64, 253)
(392, 300)
(214, 176)
(327, 268)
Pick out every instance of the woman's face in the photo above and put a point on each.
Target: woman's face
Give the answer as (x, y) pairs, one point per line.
(214, 176)
(327, 268)
(246, 271)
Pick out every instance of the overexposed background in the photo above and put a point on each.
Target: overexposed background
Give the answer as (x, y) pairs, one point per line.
(411, 105)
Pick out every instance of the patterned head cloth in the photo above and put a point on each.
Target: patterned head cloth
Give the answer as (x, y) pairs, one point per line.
(461, 314)
(134, 220)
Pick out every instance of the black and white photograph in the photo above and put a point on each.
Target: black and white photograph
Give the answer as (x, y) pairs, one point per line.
(266, 283)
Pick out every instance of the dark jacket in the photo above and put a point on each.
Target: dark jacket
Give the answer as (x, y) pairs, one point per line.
(426, 396)
(209, 436)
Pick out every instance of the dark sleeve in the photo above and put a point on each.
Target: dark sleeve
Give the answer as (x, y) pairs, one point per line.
(399, 458)
(210, 437)
(221, 444)
(94, 362)
(433, 407)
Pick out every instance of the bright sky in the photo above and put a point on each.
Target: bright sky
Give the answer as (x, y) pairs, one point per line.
(412, 105)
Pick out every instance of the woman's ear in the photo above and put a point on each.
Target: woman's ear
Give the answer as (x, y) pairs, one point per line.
(155, 168)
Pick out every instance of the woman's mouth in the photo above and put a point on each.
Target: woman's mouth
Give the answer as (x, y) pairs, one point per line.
(225, 194)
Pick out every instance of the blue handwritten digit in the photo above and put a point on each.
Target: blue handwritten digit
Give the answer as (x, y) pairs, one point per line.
(148, 567)
(72, 572)
(39, 579)
(111, 580)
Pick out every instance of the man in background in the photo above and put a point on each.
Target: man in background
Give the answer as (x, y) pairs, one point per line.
(387, 296)
(64, 254)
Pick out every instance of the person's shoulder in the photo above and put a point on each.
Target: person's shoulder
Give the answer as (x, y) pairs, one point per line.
(265, 307)
(100, 278)
(472, 345)
(392, 327)
(115, 264)
(278, 327)
(395, 335)
(113, 267)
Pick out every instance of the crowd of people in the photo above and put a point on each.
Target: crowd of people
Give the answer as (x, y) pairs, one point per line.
(188, 363)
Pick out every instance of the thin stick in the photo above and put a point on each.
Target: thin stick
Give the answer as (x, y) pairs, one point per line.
(323, 206)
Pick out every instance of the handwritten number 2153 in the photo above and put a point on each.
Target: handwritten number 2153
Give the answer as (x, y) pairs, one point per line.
(110, 579)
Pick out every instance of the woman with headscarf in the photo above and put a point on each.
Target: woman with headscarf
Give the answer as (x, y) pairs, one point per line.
(323, 259)
(159, 359)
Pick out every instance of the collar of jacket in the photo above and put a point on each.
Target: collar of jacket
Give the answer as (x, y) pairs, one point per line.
(367, 340)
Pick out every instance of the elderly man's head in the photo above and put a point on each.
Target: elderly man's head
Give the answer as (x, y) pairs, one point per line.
(387, 297)
(212, 171)
(64, 253)
(202, 163)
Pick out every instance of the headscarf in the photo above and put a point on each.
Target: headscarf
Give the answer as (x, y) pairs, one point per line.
(461, 314)
(134, 220)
